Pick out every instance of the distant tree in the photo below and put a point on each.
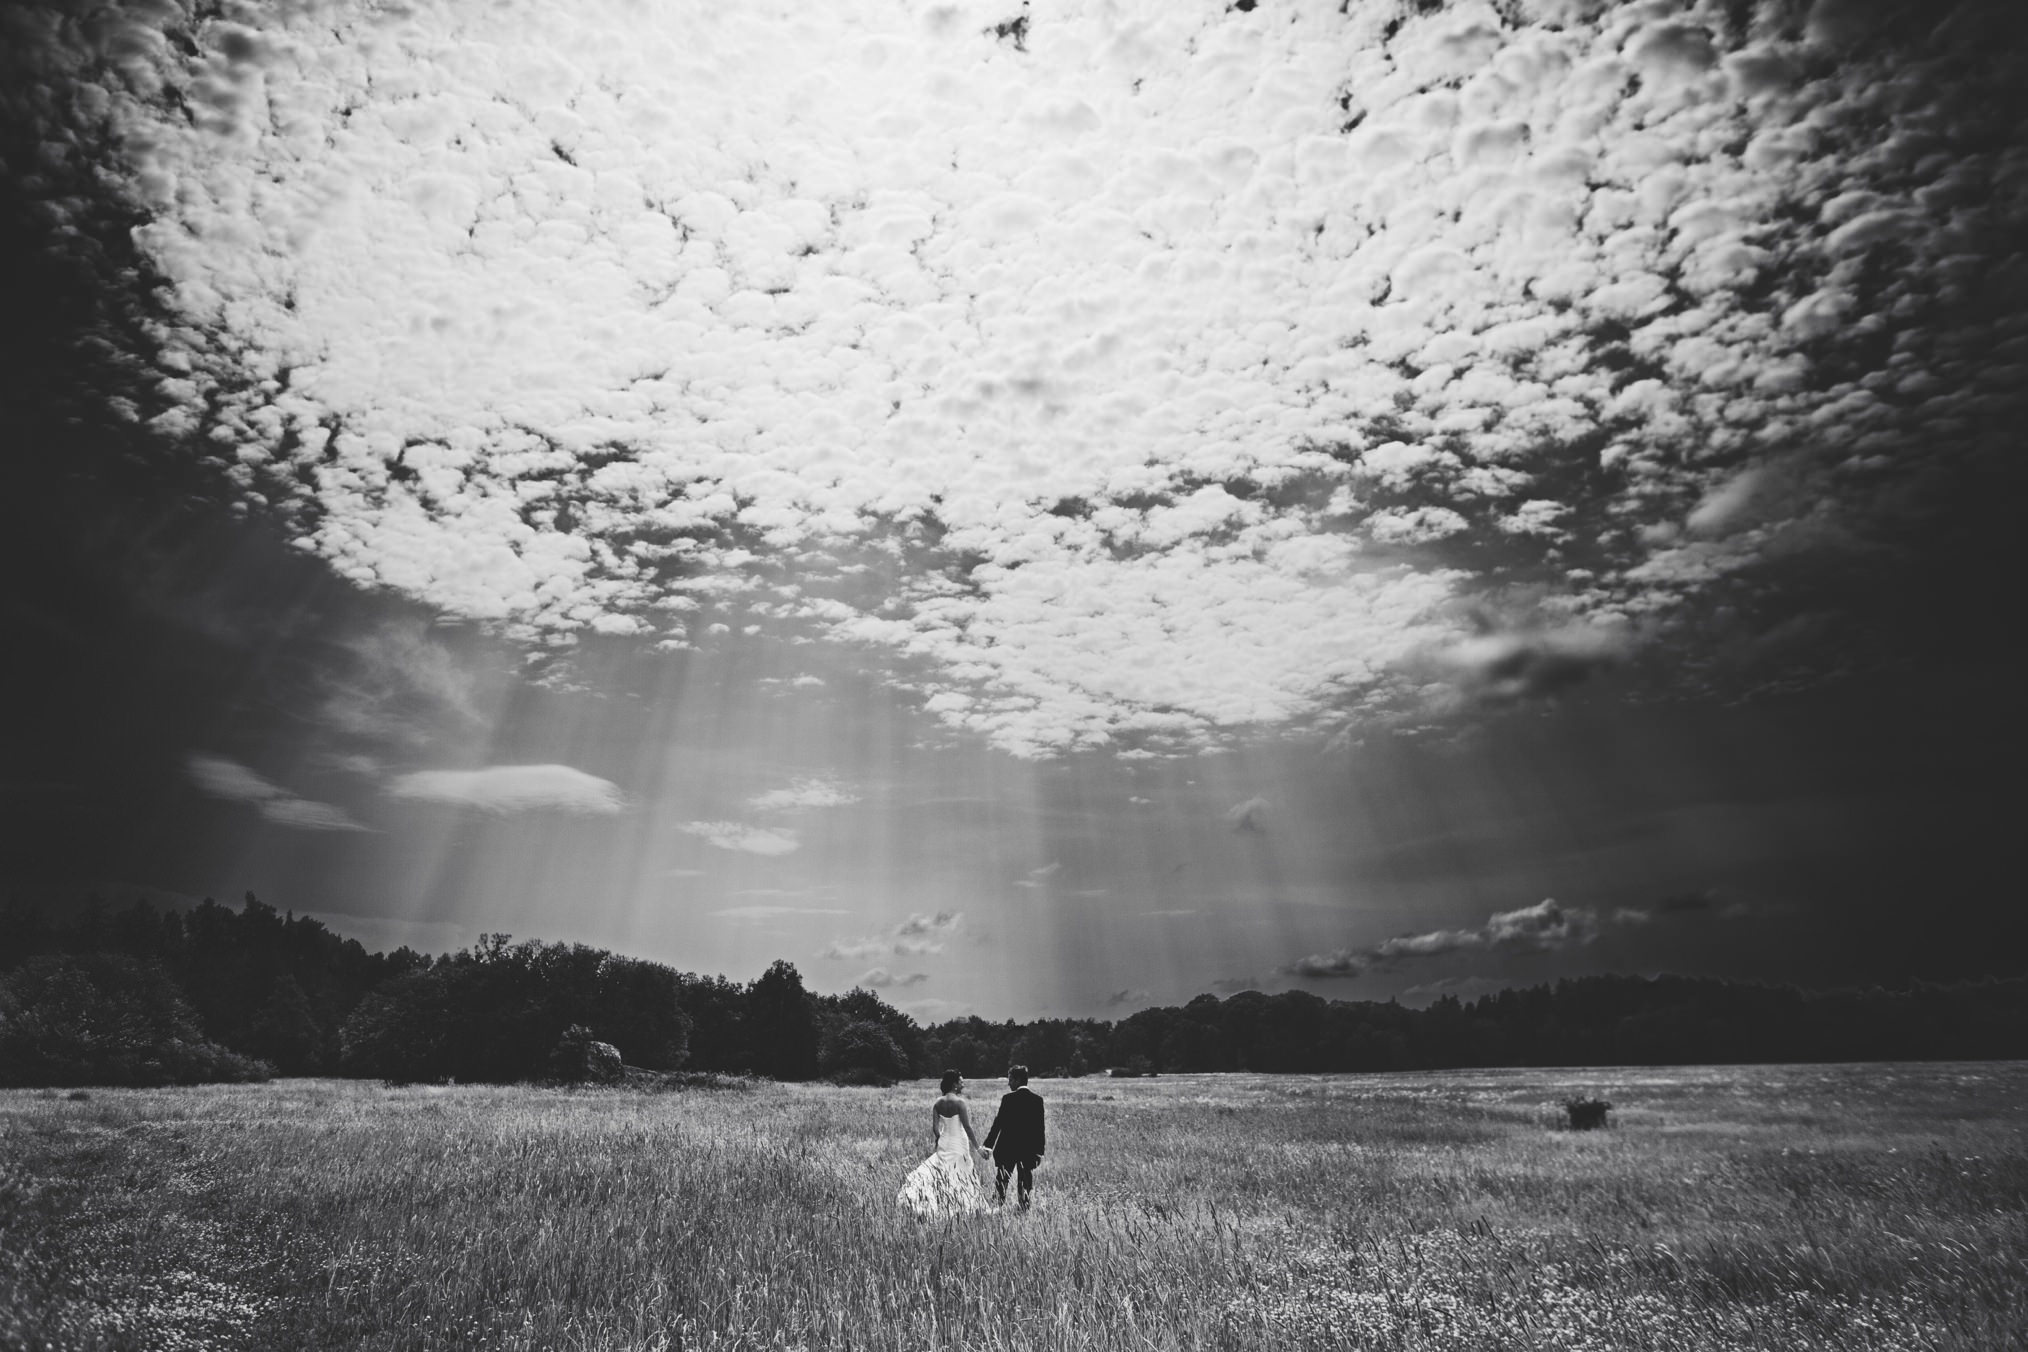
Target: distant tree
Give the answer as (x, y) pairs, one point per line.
(106, 1019)
(860, 1051)
(863, 1006)
(781, 1024)
(638, 1007)
(967, 1055)
(401, 1032)
(716, 1010)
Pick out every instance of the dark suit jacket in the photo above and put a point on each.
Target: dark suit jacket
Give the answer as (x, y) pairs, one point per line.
(1016, 1134)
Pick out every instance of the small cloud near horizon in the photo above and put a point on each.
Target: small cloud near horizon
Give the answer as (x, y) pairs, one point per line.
(879, 978)
(918, 936)
(505, 790)
(1541, 927)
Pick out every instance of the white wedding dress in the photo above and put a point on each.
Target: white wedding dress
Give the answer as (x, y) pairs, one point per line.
(947, 1183)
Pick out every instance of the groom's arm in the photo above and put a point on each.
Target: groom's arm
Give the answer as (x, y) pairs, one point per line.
(1039, 1137)
(993, 1132)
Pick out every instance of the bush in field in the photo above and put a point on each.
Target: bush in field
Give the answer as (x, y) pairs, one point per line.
(1586, 1114)
(106, 1019)
(580, 1058)
(860, 1051)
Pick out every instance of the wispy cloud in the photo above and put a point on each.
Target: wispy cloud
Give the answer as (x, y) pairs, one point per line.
(233, 782)
(1541, 927)
(1039, 877)
(804, 793)
(1248, 817)
(743, 838)
(507, 790)
(1127, 996)
(879, 978)
(772, 912)
(917, 936)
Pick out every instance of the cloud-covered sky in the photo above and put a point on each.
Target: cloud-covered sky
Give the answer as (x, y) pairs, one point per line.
(986, 494)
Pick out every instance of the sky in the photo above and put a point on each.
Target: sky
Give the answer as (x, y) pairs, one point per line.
(1033, 509)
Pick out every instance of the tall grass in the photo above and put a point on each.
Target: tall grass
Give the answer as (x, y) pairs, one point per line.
(1793, 1207)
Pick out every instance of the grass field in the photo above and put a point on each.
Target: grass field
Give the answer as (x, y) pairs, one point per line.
(1848, 1207)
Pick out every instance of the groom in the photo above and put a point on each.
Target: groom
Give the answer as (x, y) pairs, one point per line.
(1016, 1136)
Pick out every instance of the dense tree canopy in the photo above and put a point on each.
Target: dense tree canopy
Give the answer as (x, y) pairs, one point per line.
(142, 995)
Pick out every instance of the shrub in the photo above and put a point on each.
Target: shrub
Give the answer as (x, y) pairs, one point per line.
(1586, 1114)
(106, 1019)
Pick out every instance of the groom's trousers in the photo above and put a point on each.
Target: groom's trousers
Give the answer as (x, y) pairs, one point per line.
(1024, 1177)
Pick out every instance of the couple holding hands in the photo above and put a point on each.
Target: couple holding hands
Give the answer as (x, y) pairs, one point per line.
(948, 1183)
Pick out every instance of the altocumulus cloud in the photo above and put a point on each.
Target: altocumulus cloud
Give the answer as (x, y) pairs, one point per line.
(507, 789)
(1201, 366)
(232, 781)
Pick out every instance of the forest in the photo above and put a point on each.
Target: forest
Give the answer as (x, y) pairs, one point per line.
(141, 995)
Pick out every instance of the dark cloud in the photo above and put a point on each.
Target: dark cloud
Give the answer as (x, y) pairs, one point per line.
(1127, 997)
(1320, 966)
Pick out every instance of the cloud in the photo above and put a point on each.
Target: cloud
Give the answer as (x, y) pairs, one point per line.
(879, 978)
(1039, 877)
(512, 789)
(1545, 926)
(1172, 914)
(742, 838)
(772, 912)
(1249, 816)
(1127, 996)
(1342, 962)
(397, 684)
(1233, 985)
(1705, 904)
(804, 793)
(917, 936)
(1094, 417)
(1505, 667)
(233, 782)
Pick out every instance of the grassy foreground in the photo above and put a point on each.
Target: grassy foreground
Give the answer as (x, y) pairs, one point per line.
(1848, 1207)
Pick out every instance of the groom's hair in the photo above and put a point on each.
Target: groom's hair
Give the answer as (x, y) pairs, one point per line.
(1017, 1076)
(951, 1081)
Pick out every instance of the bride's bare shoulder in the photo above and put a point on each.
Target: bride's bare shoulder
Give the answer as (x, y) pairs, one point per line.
(950, 1105)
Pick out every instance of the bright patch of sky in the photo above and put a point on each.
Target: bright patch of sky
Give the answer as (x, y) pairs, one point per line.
(1170, 370)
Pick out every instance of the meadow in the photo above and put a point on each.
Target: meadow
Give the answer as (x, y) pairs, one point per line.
(1847, 1207)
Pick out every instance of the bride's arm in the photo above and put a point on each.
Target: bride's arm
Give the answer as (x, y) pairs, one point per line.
(965, 1119)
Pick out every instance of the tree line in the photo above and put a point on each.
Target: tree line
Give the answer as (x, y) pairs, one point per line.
(143, 995)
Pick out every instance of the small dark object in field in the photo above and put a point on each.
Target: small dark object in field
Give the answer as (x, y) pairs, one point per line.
(580, 1058)
(1587, 1114)
(78, 1096)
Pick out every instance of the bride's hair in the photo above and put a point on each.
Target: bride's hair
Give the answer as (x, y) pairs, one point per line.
(951, 1081)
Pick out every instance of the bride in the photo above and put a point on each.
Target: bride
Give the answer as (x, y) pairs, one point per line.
(947, 1183)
